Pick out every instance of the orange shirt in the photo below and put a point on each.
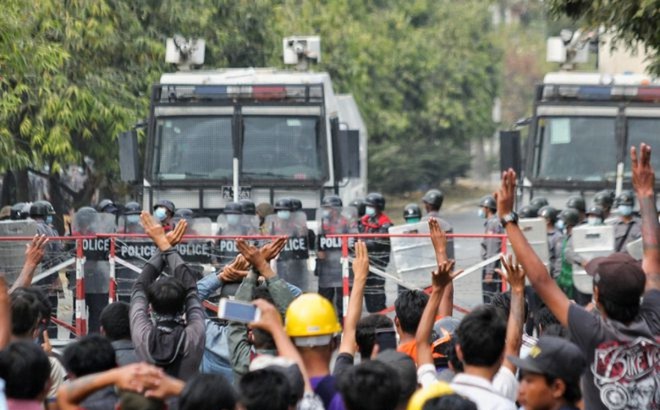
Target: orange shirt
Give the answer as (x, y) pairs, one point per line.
(409, 348)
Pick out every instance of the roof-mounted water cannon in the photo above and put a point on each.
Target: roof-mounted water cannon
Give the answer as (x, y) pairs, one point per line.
(569, 49)
(185, 53)
(302, 50)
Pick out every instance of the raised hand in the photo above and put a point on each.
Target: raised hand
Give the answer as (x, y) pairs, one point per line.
(506, 194)
(643, 175)
(515, 274)
(361, 262)
(439, 240)
(232, 273)
(273, 248)
(445, 273)
(251, 254)
(155, 231)
(270, 318)
(174, 237)
(34, 251)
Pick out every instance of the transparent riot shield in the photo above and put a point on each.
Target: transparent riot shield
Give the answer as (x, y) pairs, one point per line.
(590, 242)
(292, 261)
(225, 250)
(536, 233)
(12, 253)
(197, 252)
(135, 251)
(414, 258)
(332, 220)
(635, 249)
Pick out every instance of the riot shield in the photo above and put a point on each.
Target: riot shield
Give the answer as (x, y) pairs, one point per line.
(225, 250)
(332, 220)
(635, 249)
(536, 233)
(414, 258)
(136, 251)
(590, 242)
(292, 261)
(12, 253)
(197, 251)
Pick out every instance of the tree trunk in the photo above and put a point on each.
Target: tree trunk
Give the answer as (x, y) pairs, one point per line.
(8, 189)
(22, 186)
(58, 201)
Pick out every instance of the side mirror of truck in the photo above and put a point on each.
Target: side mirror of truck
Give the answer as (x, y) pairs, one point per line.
(346, 149)
(510, 151)
(129, 156)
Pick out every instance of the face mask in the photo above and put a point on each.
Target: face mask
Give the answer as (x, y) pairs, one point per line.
(625, 210)
(594, 220)
(412, 220)
(233, 219)
(284, 214)
(481, 213)
(370, 210)
(132, 219)
(560, 224)
(160, 214)
(49, 219)
(327, 213)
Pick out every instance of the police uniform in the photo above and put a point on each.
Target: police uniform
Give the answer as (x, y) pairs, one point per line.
(292, 261)
(446, 227)
(491, 247)
(626, 232)
(379, 256)
(555, 239)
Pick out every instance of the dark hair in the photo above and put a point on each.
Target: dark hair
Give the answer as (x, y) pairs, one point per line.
(502, 301)
(409, 306)
(25, 368)
(616, 311)
(90, 354)
(167, 296)
(45, 307)
(25, 312)
(264, 389)
(449, 350)
(449, 402)
(544, 318)
(481, 335)
(116, 321)
(208, 392)
(365, 335)
(130, 400)
(573, 394)
(371, 385)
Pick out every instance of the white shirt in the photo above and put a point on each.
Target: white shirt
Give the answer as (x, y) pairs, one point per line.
(506, 384)
(481, 392)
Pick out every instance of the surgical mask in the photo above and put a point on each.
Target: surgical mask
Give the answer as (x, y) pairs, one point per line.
(49, 219)
(284, 214)
(594, 220)
(233, 219)
(481, 213)
(160, 213)
(560, 224)
(412, 220)
(370, 210)
(132, 219)
(625, 210)
(327, 213)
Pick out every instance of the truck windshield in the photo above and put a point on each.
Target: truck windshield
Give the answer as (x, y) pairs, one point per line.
(193, 148)
(643, 130)
(281, 147)
(565, 143)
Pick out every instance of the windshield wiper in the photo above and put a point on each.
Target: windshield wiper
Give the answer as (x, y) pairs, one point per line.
(264, 174)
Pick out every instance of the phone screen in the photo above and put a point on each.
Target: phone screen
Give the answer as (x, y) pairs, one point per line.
(386, 339)
(237, 311)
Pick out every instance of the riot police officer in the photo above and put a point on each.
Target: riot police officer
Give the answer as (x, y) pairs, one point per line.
(567, 220)
(577, 202)
(628, 227)
(328, 261)
(292, 261)
(130, 218)
(595, 215)
(433, 200)
(359, 205)
(129, 222)
(164, 212)
(491, 282)
(605, 199)
(555, 238)
(249, 216)
(376, 221)
(18, 211)
(412, 213)
(528, 211)
(538, 202)
(107, 206)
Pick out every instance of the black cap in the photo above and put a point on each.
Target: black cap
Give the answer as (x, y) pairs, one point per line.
(619, 278)
(555, 357)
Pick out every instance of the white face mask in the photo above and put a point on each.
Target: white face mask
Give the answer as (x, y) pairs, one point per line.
(160, 213)
(594, 220)
(327, 213)
(284, 214)
(625, 210)
(233, 219)
(560, 224)
(481, 213)
(370, 210)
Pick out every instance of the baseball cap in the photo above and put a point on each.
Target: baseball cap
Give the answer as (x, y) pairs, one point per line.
(405, 368)
(619, 278)
(553, 356)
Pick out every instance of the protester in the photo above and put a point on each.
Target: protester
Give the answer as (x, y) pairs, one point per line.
(372, 376)
(116, 326)
(25, 369)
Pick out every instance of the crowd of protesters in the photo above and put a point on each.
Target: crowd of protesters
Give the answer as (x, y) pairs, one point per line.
(161, 350)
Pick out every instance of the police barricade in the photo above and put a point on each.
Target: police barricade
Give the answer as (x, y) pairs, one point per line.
(590, 242)
(291, 263)
(413, 257)
(328, 268)
(12, 253)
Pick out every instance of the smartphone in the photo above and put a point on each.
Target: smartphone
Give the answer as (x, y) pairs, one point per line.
(238, 311)
(386, 339)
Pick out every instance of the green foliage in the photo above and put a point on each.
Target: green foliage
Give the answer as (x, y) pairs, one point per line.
(632, 21)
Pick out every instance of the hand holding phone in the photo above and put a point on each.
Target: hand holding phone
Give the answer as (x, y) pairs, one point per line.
(237, 311)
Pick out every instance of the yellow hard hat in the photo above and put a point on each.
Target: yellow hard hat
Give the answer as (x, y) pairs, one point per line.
(311, 315)
(427, 393)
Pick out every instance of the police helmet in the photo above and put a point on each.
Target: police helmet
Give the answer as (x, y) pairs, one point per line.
(17, 211)
(284, 204)
(528, 211)
(184, 213)
(132, 208)
(233, 208)
(412, 211)
(538, 202)
(49, 206)
(248, 207)
(604, 198)
(107, 206)
(433, 197)
(38, 210)
(596, 211)
(548, 212)
(376, 200)
(570, 216)
(359, 205)
(576, 202)
(626, 198)
(167, 204)
(84, 218)
(488, 202)
(296, 204)
(332, 201)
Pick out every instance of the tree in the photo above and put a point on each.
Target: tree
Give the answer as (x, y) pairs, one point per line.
(632, 21)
